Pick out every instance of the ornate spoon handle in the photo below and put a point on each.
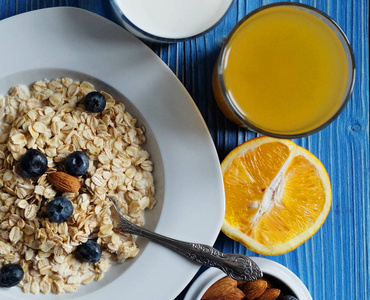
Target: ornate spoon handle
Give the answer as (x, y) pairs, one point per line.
(237, 266)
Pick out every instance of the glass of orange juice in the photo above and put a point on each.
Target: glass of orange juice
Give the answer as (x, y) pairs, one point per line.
(285, 70)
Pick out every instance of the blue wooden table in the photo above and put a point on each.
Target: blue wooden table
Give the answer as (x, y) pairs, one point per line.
(334, 263)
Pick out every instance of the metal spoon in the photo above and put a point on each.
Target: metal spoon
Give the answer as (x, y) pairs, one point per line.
(237, 266)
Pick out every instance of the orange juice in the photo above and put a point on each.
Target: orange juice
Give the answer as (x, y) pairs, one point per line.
(284, 70)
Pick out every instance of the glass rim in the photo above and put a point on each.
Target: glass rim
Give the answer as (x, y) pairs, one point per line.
(156, 38)
(350, 76)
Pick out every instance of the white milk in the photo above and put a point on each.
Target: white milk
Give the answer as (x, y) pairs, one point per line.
(173, 19)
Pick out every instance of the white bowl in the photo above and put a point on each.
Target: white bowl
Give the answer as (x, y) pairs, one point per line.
(169, 21)
(75, 43)
(267, 266)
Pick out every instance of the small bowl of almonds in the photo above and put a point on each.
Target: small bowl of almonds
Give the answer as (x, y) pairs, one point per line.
(277, 283)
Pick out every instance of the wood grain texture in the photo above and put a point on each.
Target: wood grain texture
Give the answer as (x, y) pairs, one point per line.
(334, 263)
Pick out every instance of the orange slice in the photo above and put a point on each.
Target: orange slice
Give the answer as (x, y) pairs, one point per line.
(278, 195)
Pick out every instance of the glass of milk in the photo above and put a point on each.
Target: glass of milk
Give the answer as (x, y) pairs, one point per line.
(170, 21)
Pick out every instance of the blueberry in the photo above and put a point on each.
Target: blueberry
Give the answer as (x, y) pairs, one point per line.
(289, 297)
(10, 275)
(94, 102)
(89, 252)
(33, 164)
(59, 210)
(76, 163)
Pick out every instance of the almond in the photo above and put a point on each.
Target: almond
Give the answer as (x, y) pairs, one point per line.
(64, 182)
(254, 289)
(269, 294)
(240, 282)
(270, 284)
(224, 289)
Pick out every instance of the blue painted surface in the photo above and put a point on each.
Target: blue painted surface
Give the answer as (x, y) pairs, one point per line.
(334, 263)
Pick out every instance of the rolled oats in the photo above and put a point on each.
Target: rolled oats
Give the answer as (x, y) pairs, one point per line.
(50, 117)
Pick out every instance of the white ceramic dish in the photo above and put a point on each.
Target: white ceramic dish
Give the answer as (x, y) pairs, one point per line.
(71, 42)
(267, 266)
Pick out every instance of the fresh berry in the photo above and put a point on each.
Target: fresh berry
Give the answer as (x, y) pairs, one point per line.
(89, 252)
(94, 102)
(10, 275)
(33, 164)
(289, 297)
(59, 210)
(76, 163)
